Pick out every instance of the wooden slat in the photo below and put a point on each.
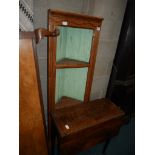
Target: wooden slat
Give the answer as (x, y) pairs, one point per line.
(26, 35)
(51, 83)
(70, 63)
(66, 102)
(92, 66)
(73, 14)
(32, 134)
(56, 17)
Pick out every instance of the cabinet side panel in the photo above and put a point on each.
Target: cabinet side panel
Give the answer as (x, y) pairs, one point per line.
(31, 126)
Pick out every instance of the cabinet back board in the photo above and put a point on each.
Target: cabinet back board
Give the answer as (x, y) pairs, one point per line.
(71, 83)
(74, 43)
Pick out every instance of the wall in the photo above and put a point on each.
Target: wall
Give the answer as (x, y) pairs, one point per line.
(26, 15)
(111, 10)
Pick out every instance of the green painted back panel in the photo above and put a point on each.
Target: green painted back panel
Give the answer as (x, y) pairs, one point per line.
(71, 82)
(74, 43)
(61, 44)
(59, 84)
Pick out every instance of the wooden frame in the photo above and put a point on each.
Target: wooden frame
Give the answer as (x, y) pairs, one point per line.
(31, 110)
(55, 19)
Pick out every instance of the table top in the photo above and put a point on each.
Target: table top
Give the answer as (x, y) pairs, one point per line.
(72, 119)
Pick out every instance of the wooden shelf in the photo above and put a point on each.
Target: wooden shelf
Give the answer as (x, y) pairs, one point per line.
(71, 63)
(67, 102)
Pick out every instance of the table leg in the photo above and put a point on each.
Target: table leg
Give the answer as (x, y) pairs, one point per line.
(53, 138)
(105, 146)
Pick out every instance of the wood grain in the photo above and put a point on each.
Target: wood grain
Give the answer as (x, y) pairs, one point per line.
(56, 17)
(40, 33)
(70, 63)
(85, 116)
(51, 84)
(32, 134)
(66, 102)
(89, 124)
(91, 66)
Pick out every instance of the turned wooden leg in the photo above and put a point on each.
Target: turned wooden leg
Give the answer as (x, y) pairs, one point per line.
(105, 146)
(53, 139)
(58, 148)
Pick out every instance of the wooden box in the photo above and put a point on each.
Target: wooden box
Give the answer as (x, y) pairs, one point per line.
(81, 126)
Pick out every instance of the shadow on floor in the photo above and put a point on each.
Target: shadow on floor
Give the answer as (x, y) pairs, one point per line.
(123, 144)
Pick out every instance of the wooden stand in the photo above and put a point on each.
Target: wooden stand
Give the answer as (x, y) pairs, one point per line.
(81, 126)
(73, 120)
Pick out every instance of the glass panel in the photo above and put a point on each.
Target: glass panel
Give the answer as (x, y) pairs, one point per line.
(71, 82)
(74, 43)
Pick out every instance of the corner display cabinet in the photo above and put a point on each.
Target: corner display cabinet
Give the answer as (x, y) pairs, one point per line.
(75, 123)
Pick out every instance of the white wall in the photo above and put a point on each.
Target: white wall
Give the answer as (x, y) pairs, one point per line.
(112, 11)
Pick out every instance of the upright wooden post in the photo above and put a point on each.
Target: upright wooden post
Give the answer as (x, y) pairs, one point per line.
(32, 128)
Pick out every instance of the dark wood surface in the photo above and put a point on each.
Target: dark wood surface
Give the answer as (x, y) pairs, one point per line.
(66, 102)
(40, 33)
(89, 124)
(77, 126)
(51, 84)
(91, 66)
(32, 134)
(56, 12)
(82, 116)
(56, 19)
(26, 35)
(70, 63)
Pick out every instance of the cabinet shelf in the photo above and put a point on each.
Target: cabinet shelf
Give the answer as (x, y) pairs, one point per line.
(67, 102)
(71, 63)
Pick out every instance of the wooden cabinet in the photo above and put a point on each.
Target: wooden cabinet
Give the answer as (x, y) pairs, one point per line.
(71, 62)
(81, 126)
(71, 55)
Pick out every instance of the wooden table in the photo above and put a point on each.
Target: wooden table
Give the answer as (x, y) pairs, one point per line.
(81, 126)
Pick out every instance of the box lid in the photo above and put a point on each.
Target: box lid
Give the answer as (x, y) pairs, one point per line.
(75, 118)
